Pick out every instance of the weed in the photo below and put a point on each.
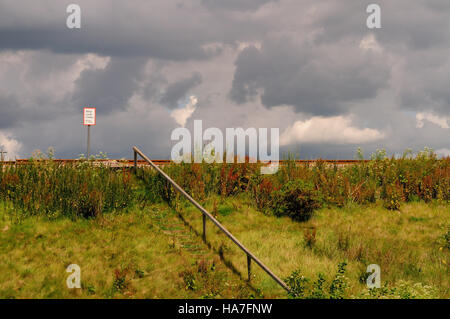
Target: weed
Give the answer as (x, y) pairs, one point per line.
(189, 280)
(310, 237)
(139, 273)
(202, 267)
(447, 239)
(120, 283)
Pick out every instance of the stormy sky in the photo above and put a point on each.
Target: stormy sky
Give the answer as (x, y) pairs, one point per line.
(310, 68)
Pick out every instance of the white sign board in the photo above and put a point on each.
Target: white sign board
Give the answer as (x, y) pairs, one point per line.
(89, 116)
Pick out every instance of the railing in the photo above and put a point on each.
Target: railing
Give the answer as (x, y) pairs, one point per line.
(162, 162)
(206, 214)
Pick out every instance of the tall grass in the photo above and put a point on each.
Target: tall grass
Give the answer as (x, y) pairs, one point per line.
(390, 180)
(86, 189)
(76, 190)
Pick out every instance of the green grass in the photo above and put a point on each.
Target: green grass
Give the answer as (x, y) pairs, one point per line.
(407, 244)
(144, 253)
(150, 253)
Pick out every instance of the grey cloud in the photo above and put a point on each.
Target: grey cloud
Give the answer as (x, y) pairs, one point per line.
(9, 111)
(424, 25)
(178, 90)
(420, 25)
(115, 134)
(162, 30)
(317, 80)
(111, 88)
(425, 83)
(309, 63)
(242, 5)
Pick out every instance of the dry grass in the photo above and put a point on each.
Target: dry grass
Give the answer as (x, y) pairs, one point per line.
(407, 244)
(148, 252)
(141, 254)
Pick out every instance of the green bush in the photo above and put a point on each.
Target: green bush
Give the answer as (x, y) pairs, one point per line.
(296, 199)
(304, 288)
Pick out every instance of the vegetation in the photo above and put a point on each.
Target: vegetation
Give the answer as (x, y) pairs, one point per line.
(297, 190)
(317, 226)
(143, 253)
(50, 189)
(296, 199)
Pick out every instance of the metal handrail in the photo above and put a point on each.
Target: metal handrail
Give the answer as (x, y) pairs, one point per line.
(205, 213)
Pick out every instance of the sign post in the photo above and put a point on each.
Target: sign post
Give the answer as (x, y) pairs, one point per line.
(89, 120)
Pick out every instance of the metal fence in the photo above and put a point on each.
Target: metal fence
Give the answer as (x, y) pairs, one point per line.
(206, 214)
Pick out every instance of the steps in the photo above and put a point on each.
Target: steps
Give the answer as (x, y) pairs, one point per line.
(181, 236)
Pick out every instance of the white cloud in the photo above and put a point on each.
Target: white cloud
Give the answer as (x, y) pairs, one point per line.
(181, 115)
(442, 121)
(443, 152)
(9, 145)
(369, 42)
(336, 129)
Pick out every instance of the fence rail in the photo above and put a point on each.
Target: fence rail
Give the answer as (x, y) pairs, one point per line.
(206, 214)
(162, 162)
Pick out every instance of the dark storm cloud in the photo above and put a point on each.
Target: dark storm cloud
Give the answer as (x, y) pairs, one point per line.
(109, 89)
(178, 90)
(418, 33)
(101, 42)
(314, 79)
(163, 30)
(303, 56)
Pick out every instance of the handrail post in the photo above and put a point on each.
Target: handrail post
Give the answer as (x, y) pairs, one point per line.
(249, 267)
(135, 161)
(205, 213)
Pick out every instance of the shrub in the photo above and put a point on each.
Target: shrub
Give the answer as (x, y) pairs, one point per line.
(304, 288)
(297, 199)
(262, 191)
(339, 284)
(298, 284)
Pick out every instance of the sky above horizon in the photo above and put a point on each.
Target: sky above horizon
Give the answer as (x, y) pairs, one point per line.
(310, 68)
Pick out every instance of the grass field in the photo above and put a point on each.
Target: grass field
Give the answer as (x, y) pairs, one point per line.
(139, 254)
(318, 228)
(151, 253)
(408, 245)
